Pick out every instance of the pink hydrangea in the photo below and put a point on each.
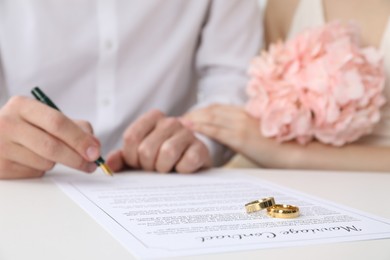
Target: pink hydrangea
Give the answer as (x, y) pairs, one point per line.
(319, 85)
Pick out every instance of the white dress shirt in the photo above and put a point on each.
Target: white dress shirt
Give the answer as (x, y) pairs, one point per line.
(109, 61)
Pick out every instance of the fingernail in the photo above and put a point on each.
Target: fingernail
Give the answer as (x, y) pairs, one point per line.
(92, 153)
(91, 167)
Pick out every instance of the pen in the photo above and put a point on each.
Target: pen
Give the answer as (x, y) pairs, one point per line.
(39, 95)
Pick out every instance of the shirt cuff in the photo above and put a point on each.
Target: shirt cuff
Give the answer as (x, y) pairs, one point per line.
(220, 154)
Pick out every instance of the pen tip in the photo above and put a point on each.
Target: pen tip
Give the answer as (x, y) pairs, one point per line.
(106, 169)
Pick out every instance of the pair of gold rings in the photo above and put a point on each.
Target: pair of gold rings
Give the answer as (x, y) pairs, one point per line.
(273, 210)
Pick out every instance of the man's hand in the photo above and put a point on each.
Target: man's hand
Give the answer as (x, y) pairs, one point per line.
(155, 142)
(34, 137)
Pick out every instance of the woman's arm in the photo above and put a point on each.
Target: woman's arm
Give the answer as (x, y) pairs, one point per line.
(233, 127)
(278, 16)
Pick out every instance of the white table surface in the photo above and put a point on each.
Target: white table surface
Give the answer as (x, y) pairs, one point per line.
(38, 221)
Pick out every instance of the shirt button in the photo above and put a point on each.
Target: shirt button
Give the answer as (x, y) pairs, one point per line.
(106, 102)
(108, 45)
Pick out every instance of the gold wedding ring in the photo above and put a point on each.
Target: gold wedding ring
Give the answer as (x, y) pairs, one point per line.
(258, 205)
(283, 211)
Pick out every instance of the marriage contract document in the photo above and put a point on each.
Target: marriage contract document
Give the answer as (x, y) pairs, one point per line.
(166, 215)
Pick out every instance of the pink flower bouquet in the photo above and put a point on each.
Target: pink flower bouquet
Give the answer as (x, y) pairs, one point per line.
(320, 85)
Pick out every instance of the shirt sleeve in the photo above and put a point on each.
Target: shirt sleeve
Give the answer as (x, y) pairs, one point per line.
(231, 37)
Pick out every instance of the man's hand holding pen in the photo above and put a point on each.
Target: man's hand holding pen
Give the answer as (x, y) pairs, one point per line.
(34, 137)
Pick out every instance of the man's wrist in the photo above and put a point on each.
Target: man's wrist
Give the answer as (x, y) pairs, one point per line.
(219, 153)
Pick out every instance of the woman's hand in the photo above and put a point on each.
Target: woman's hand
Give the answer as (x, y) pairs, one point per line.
(235, 128)
(227, 124)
